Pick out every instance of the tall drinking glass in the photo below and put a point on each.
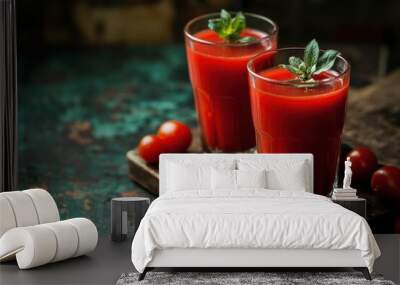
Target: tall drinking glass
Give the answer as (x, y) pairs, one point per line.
(218, 75)
(291, 116)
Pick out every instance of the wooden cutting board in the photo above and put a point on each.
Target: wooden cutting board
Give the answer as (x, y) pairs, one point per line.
(146, 174)
(373, 119)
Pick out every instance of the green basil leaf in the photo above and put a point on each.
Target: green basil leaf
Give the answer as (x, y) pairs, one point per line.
(303, 67)
(311, 53)
(292, 69)
(215, 25)
(238, 23)
(311, 69)
(326, 61)
(225, 15)
(295, 61)
(312, 62)
(246, 40)
(229, 28)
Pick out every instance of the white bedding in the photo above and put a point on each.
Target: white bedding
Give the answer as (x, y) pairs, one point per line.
(251, 218)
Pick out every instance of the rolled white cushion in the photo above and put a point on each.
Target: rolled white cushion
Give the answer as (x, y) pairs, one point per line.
(33, 246)
(67, 240)
(40, 244)
(7, 218)
(45, 205)
(23, 208)
(87, 235)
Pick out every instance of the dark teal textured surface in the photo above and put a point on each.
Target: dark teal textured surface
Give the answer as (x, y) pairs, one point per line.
(81, 111)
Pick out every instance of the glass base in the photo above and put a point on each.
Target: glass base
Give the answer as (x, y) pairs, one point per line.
(206, 148)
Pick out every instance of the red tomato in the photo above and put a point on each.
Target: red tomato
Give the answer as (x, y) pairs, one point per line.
(150, 147)
(175, 135)
(386, 181)
(364, 162)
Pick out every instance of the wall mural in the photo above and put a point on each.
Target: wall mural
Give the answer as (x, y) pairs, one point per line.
(97, 79)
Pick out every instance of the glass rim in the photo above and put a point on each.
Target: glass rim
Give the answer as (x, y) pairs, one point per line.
(224, 44)
(252, 72)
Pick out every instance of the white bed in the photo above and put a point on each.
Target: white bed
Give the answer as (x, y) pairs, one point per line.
(273, 226)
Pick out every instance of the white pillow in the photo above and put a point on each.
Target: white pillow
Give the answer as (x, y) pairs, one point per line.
(251, 178)
(281, 174)
(186, 174)
(226, 179)
(181, 177)
(291, 179)
(223, 179)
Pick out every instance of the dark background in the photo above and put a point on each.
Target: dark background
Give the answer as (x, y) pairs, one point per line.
(82, 23)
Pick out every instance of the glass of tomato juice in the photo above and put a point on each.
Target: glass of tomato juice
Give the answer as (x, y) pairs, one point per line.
(218, 75)
(293, 116)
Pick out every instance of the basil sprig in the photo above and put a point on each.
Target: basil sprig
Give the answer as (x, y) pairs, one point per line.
(229, 28)
(312, 63)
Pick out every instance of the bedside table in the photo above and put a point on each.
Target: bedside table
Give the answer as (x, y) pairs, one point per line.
(357, 205)
(126, 214)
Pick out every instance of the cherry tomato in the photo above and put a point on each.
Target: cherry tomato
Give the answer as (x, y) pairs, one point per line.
(364, 162)
(386, 181)
(150, 147)
(175, 135)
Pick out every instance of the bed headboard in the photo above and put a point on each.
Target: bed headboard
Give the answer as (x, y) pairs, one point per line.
(209, 158)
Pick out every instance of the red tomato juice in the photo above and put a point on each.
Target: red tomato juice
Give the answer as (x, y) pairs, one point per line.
(219, 79)
(292, 119)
